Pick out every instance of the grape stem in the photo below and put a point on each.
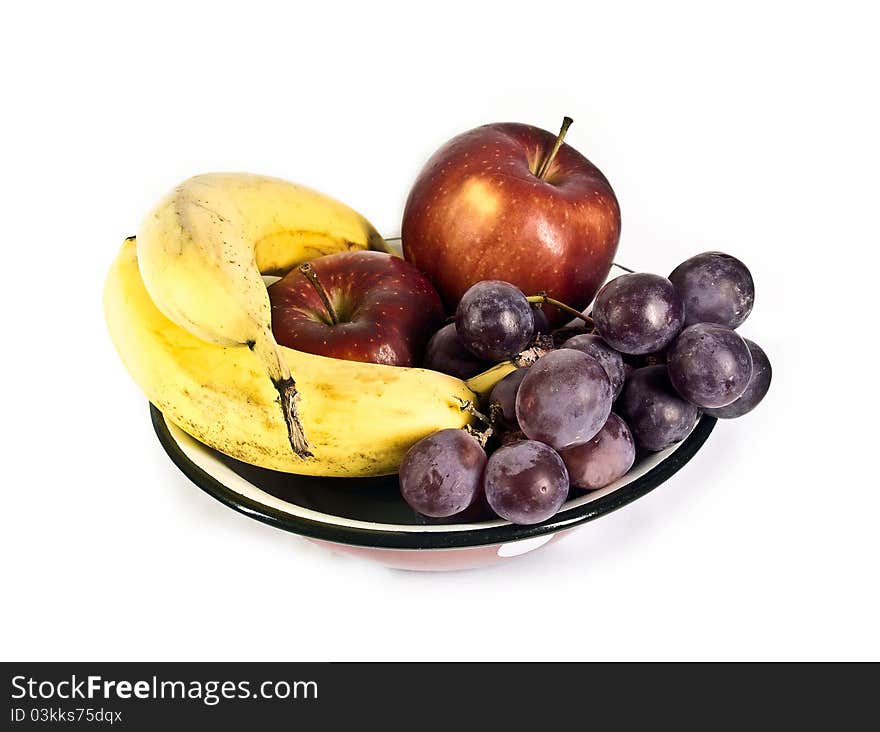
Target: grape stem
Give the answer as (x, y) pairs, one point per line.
(495, 414)
(468, 406)
(524, 359)
(482, 436)
(543, 299)
(309, 273)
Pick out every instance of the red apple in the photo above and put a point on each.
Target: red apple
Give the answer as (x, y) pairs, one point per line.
(359, 306)
(511, 202)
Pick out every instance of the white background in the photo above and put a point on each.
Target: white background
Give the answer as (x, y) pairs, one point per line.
(753, 131)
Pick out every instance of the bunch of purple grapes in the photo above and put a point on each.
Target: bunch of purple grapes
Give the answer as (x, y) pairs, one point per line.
(660, 351)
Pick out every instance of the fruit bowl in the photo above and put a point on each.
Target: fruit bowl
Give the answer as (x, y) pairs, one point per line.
(367, 517)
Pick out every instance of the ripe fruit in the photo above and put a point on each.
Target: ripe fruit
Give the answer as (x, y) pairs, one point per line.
(716, 288)
(446, 354)
(602, 460)
(638, 313)
(610, 359)
(654, 412)
(494, 320)
(525, 482)
(201, 252)
(204, 357)
(564, 399)
(360, 306)
(759, 383)
(481, 209)
(502, 400)
(220, 395)
(190, 316)
(542, 322)
(441, 474)
(709, 365)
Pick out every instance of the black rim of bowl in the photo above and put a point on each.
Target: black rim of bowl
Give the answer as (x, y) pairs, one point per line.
(434, 539)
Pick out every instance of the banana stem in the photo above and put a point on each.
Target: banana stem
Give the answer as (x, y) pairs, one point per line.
(279, 373)
(481, 384)
(543, 299)
(290, 410)
(545, 166)
(308, 271)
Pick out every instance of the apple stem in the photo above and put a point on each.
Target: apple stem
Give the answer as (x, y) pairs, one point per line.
(308, 271)
(545, 166)
(543, 299)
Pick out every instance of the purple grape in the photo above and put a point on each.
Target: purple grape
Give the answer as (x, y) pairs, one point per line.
(602, 460)
(655, 413)
(445, 353)
(502, 400)
(526, 482)
(508, 437)
(716, 288)
(638, 313)
(709, 365)
(762, 372)
(610, 359)
(646, 359)
(494, 320)
(564, 398)
(561, 335)
(441, 474)
(542, 323)
(477, 512)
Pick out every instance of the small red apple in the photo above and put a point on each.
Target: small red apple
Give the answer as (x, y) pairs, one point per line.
(512, 202)
(358, 306)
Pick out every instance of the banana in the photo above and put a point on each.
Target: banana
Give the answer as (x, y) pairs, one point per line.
(188, 313)
(203, 249)
(360, 417)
